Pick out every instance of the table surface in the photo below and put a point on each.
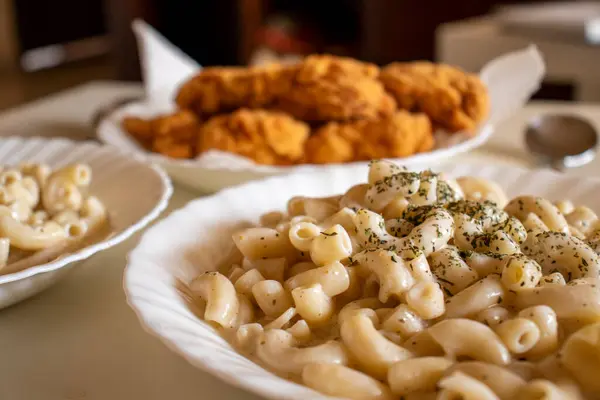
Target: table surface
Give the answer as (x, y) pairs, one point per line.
(79, 340)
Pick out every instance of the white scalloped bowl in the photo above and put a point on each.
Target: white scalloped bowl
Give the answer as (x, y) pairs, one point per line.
(195, 239)
(115, 174)
(222, 174)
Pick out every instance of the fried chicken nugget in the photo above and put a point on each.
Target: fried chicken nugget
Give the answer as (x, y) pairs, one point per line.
(400, 135)
(224, 89)
(452, 98)
(334, 88)
(267, 137)
(173, 135)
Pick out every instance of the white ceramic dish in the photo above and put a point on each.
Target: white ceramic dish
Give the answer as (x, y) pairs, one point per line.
(195, 239)
(219, 173)
(114, 175)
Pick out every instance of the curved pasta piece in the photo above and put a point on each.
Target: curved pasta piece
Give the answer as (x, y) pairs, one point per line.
(333, 278)
(493, 316)
(525, 369)
(247, 337)
(583, 219)
(302, 234)
(27, 238)
(263, 243)
(487, 213)
(559, 251)
(555, 278)
(483, 294)
(534, 225)
(276, 349)
(271, 297)
(282, 320)
(545, 319)
(382, 192)
(520, 272)
(300, 331)
(432, 234)
(521, 206)
(427, 299)
(518, 334)
(481, 189)
(313, 304)
(271, 219)
(405, 321)
(392, 274)
(542, 389)
(364, 305)
(344, 217)
(580, 354)
(396, 208)
(331, 245)
(371, 350)
(62, 189)
(486, 263)
(222, 304)
(381, 169)
(504, 383)
(340, 381)
(423, 345)
(462, 386)
(503, 238)
(398, 227)
(427, 192)
(417, 374)
(26, 190)
(313, 207)
(451, 271)
(463, 337)
(581, 302)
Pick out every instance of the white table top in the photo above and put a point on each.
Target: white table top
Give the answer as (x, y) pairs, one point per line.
(79, 340)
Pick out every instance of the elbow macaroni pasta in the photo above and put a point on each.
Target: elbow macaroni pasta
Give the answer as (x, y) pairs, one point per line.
(412, 286)
(45, 212)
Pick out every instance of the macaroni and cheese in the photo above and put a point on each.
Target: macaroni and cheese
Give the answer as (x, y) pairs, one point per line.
(417, 286)
(45, 213)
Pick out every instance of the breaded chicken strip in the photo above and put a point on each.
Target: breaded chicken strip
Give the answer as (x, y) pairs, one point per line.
(453, 99)
(223, 89)
(400, 135)
(324, 66)
(173, 135)
(267, 137)
(334, 88)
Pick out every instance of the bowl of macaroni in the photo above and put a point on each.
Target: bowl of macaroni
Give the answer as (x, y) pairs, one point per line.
(61, 202)
(478, 282)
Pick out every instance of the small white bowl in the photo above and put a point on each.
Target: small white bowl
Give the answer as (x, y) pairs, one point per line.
(196, 239)
(133, 192)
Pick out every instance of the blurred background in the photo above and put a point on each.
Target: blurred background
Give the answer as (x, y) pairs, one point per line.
(49, 46)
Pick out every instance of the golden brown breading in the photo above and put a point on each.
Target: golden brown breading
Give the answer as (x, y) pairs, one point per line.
(336, 88)
(400, 135)
(324, 66)
(454, 99)
(223, 89)
(339, 100)
(173, 135)
(267, 137)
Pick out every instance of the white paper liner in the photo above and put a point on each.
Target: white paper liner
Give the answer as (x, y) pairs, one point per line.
(511, 80)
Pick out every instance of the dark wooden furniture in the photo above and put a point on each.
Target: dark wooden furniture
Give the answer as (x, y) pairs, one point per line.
(222, 32)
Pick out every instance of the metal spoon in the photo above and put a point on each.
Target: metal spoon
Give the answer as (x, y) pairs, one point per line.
(562, 141)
